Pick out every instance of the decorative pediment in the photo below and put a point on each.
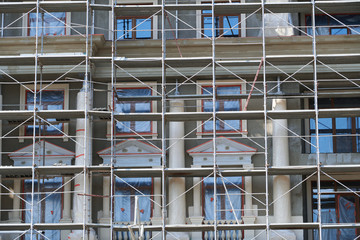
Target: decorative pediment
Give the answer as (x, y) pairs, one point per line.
(228, 152)
(132, 153)
(46, 153)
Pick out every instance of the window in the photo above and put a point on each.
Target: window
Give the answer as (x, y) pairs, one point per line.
(134, 28)
(125, 201)
(54, 97)
(338, 205)
(133, 107)
(225, 25)
(232, 196)
(48, 24)
(230, 87)
(336, 135)
(130, 128)
(47, 205)
(46, 100)
(326, 25)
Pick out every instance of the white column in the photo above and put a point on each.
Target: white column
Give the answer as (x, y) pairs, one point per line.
(106, 200)
(197, 217)
(177, 208)
(250, 212)
(67, 199)
(67, 207)
(157, 198)
(281, 183)
(16, 214)
(156, 219)
(81, 202)
(104, 233)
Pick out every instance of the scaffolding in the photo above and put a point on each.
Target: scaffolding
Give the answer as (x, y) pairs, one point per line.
(255, 170)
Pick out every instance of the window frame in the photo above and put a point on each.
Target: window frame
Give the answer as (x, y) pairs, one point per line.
(199, 19)
(154, 25)
(307, 202)
(140, 189)
(328, 23)
(133, 33)
(203, 194)
(220, 28)
(26, 22)
(153, 106)
(199, 103)
(52, 87)
(307, 148)
(23, 194)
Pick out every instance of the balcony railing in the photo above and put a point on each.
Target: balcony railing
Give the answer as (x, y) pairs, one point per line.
(223, 234)
(126, 235)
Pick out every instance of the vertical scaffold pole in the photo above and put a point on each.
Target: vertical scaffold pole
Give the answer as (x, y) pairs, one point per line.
(163, 111)
(213, 71)
(266, 160)
(316, 114)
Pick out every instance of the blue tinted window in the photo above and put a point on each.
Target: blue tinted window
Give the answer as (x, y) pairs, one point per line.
(48, 24)
(336, 135)
(334, 25)
(222, 105)
(226, 26)
(133, 107)
(46, 100)
(134, 28)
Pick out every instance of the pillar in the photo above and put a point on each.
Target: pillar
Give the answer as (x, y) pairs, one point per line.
(157, 219)
(281, 183)
(16, 214)
(83, 142)
(196, 217)
(66, 214)
(104, 233)
(177, 208)
(250, 212)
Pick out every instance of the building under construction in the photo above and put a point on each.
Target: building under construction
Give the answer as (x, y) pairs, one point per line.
(180, 119)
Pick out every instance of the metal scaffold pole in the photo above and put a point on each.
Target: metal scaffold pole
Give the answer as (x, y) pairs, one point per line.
(266, 160)
(163, 111)
(316, 107)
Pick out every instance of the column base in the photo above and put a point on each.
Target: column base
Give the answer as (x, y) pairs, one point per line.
(65, 233)
(196, 220)
(156, 221)
(104, 233)
(282, 234)
(249, 234)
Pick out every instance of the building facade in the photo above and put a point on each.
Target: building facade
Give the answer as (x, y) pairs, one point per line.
(180, 119)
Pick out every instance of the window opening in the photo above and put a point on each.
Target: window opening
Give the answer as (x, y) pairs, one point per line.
(326, 25)
(336, 135)
(47, 100)
(338, 205)
(133, 107)
(225, 25)
(222, 105)
(125, 201)
(48, 23)
(46, 211)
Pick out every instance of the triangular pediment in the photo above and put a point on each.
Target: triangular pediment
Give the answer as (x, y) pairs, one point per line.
(50, 150)
(131, 147)
(223, 145)
(43, 150)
